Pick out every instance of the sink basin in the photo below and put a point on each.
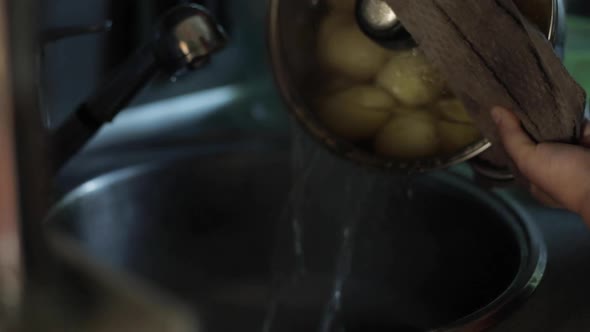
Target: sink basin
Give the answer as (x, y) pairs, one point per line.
(214, 231)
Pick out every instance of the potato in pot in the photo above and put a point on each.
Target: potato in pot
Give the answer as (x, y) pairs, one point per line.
(332, 85)
(453, 111)
(396, 99)
(342, 5)
(456, 136)
(408, 136)
(410, 78)
(345, 50)
(332, 23)
(356, 113)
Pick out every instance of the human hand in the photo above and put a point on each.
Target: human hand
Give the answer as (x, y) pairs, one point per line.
(559, 173)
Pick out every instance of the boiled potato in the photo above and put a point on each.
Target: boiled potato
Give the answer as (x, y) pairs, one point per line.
(456, 136)
(345, 50)
(411, 79)
(409, 136)
(332, 23)
(366, 96)
(453, 111)
(401, 110)
(356, 113)
(336, 84)
(342, 5)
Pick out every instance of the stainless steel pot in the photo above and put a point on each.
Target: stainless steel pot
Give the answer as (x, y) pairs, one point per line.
(292, 36)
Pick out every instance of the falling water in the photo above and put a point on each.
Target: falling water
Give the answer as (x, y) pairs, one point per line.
(302, 168)
(357, 193)
(328, 200)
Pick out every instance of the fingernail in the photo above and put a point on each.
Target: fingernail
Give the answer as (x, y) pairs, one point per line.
(497, 115)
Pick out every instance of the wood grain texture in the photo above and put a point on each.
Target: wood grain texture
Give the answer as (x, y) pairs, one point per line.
(491, 55)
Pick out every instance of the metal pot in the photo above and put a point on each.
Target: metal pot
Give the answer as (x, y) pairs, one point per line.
(292, 36)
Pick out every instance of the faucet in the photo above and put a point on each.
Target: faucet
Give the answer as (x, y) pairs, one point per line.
(185, 38)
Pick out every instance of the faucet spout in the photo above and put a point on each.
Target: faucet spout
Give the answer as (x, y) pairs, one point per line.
(185, 39)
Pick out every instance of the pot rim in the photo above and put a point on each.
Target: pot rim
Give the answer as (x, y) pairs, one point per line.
(533, 261)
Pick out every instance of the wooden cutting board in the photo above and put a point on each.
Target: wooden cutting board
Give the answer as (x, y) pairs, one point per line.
(491, 55)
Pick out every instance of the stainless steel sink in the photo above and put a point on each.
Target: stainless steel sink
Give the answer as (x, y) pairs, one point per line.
(214, 230)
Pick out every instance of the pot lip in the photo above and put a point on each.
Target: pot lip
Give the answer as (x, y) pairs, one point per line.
(533, 261)
(346, 149)
(557, 15)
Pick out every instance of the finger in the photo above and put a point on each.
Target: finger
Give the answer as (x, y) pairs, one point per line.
(560, 170)
(517, 143)
(586, 135)
(544, 198)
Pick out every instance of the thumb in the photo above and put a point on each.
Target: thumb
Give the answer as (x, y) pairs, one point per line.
(517, 143)
(560, 170)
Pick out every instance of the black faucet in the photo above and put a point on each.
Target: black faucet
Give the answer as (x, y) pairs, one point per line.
(185, 38)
